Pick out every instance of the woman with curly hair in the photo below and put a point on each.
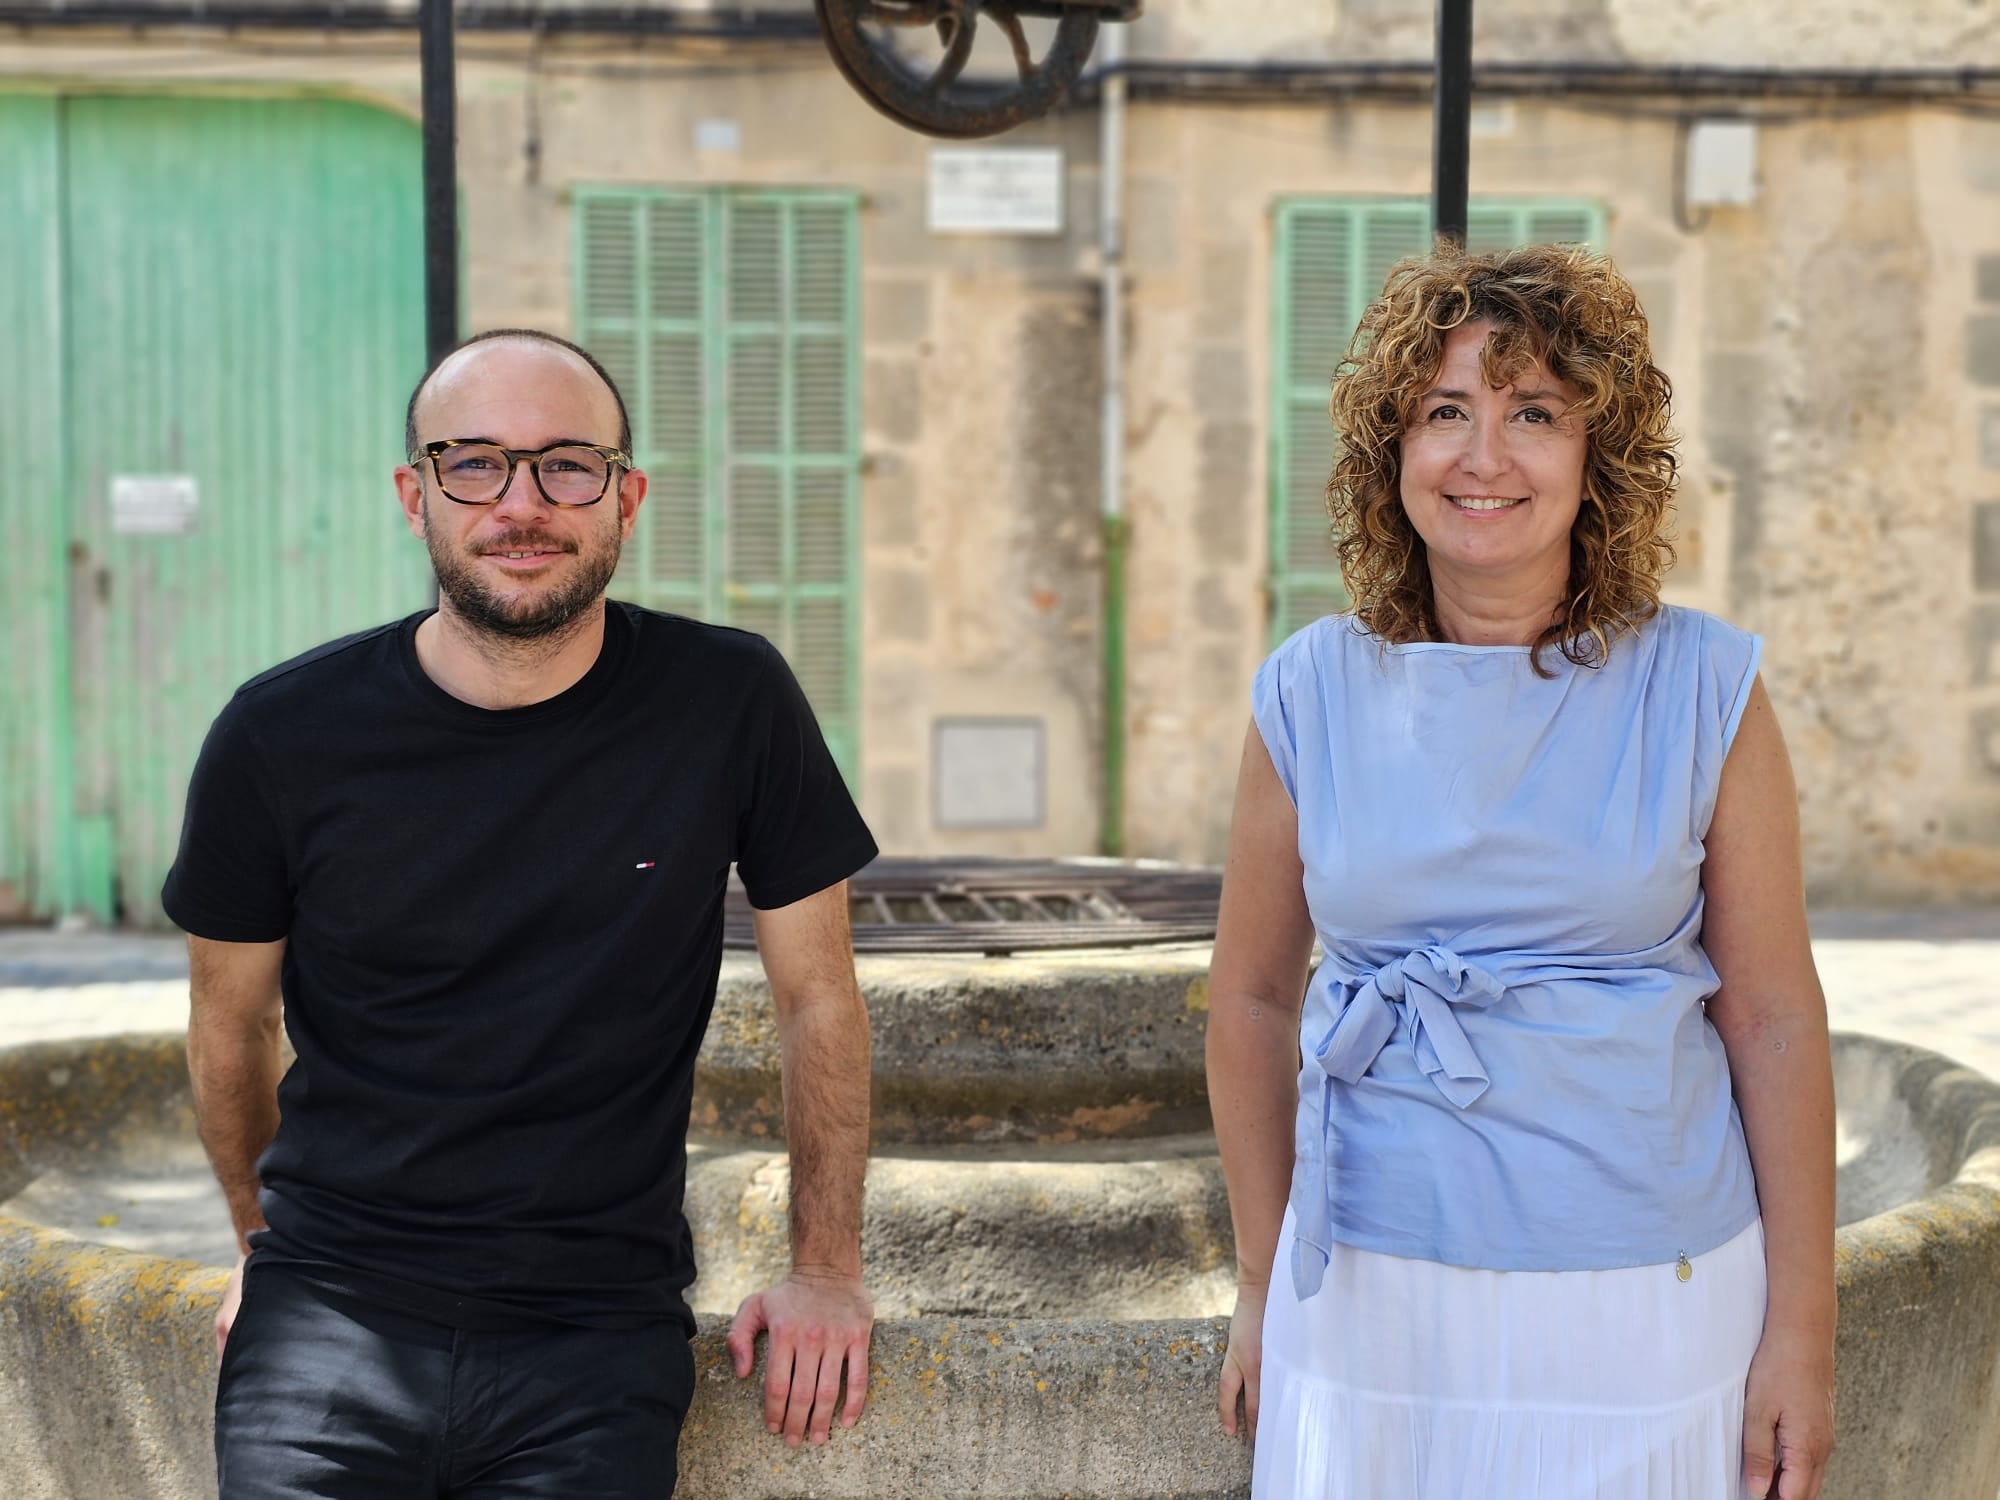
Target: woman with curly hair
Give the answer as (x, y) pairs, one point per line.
(1549, 1214)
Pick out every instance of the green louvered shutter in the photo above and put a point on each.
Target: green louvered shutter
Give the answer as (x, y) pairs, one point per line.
(1332, 258)
(733, 313)
(1502, 226)
(675, 397)
(642, 265)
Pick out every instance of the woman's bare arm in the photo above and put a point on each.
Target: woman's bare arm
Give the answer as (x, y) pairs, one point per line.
(1771, 1016)
(1256, 981)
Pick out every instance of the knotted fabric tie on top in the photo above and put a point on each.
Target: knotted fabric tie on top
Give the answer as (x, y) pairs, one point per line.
(1422, 988)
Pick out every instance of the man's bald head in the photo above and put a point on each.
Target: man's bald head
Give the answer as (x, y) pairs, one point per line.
(520, 335)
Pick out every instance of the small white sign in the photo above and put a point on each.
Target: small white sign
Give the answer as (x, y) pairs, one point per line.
(152, 504)
(1010, 190)
(717, 135)
(1722, 162)
(988, 773)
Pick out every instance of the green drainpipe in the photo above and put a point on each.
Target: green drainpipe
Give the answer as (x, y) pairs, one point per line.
(1117, 539)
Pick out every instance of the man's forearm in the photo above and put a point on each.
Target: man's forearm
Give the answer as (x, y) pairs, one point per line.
(826, 1069)
(235, 1073)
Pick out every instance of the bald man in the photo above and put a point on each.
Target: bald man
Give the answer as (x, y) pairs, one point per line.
(472, 863)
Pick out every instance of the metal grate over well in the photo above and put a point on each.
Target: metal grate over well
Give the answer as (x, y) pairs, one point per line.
(1001, 906)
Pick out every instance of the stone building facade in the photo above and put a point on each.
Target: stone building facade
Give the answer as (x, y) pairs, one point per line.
(1834, 343)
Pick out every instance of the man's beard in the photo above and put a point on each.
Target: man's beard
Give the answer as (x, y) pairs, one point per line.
(531, 619)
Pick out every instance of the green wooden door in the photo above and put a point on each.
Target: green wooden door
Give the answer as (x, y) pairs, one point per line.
(36, 872)
(1332, 258)
(729, 319)
(240, 291)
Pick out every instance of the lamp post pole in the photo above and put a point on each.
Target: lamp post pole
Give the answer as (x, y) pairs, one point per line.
(440, 103)
(1451, 120)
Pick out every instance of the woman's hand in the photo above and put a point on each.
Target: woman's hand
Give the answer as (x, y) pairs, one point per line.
(1243, 1364)
(1788, 1415)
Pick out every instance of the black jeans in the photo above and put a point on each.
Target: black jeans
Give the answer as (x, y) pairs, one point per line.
(325, 1395)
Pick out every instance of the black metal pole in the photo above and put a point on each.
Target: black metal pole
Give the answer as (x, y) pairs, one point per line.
(440, 178)
(1451, 120)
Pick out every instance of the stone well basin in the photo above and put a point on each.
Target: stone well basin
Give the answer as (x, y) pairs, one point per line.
(105, 1364)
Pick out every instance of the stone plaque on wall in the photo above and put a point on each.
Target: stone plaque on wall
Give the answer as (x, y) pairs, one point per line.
(986, 190)
(989, 773)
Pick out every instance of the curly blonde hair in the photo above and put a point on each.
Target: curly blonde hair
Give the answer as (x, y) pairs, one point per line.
(1571, 310)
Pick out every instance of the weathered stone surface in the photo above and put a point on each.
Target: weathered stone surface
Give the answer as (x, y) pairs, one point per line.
(1982, 349)
(1222, 383)
(1082, 1409)
(71, 1104)
(1986, 545)
(1935, 33)
(1983, 643)
(1226, 502)
(899, 601)
(1119, 1231)
(106, 1364)
(1918, 1405)
(891, 517)
(898, 309)
(1050, 1048)
(107, 1371)
(892, 399)
(107, 1382)
(1986, 741)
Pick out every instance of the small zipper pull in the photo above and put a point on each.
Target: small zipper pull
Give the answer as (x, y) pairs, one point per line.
(1683, 1269)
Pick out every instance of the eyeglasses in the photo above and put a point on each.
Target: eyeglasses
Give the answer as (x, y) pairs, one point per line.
(480, 473)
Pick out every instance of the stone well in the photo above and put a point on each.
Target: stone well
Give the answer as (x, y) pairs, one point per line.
(1042, 1144)
(997, 1200)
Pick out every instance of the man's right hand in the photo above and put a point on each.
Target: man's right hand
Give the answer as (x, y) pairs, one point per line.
(232, 1298)
(1243, 1364)
(819, 1324)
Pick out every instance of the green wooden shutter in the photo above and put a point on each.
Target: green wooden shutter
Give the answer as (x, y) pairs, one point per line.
(642, 266)
(1332, 258)
(1502, 226)
(735, 312)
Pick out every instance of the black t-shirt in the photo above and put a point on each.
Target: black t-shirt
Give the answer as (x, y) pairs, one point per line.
(505, 930)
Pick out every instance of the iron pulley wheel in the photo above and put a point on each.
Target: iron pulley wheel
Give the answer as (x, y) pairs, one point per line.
(942, 99)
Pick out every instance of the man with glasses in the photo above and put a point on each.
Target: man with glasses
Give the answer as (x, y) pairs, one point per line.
(481, 852)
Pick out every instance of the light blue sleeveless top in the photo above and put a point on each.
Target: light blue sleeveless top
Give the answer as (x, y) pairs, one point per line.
(1507, 1060)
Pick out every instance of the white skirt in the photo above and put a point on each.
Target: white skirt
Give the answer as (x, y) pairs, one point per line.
(1410, 1380)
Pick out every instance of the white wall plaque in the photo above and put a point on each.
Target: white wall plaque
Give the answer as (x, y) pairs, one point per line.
(152, 504)
(988, 773)
(717, 135)
(1722, 161)
(1006, 190)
